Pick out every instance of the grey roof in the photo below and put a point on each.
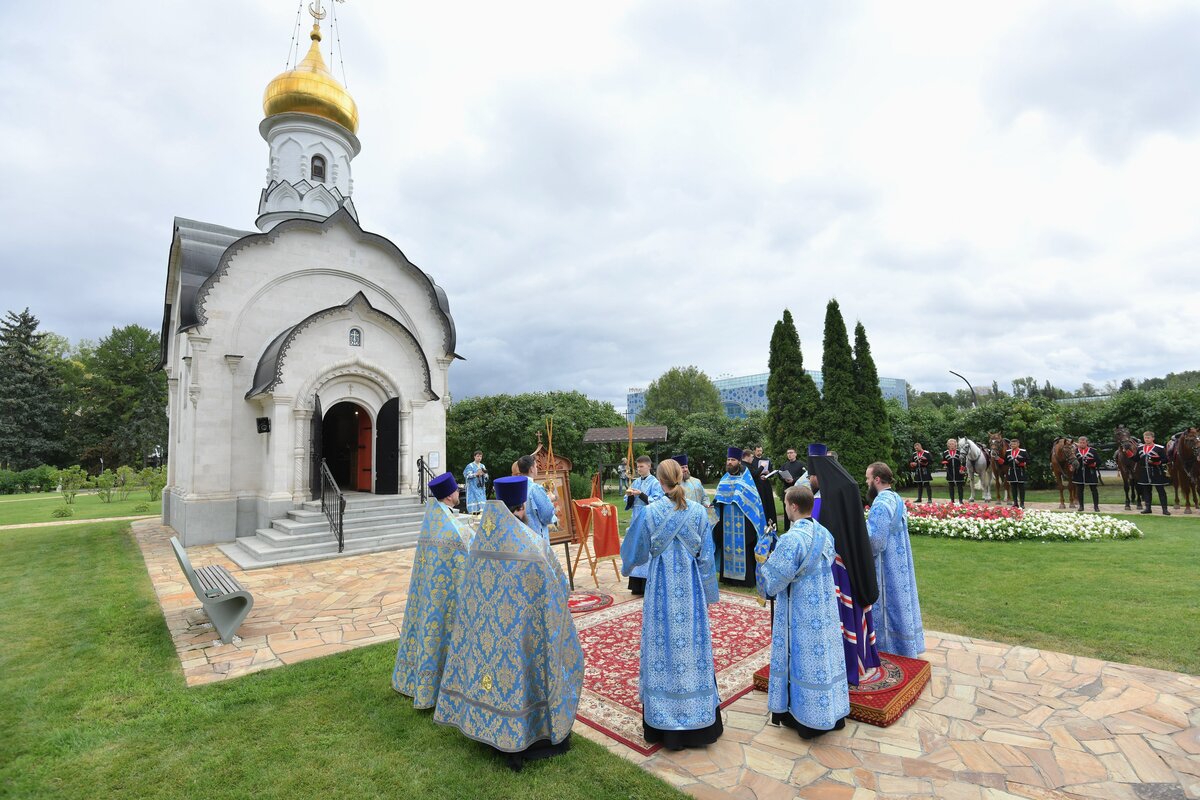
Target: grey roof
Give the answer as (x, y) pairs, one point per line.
(269, 371)
(641, 433)
(204, 251)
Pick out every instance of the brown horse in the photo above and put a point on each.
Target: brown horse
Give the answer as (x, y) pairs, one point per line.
(1062, 464)
(998, 446)
(1127, 466)
(1185, 468)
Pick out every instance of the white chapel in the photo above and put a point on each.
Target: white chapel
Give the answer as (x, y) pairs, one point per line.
(308, 341)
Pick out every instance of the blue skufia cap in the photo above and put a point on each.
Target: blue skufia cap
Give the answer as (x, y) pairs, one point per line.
(443, 486)
(818, 449)
(680, 459)
(735, 452)
(512, 490)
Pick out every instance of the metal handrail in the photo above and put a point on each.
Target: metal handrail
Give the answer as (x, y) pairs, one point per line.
(423, 470)
(331, 499)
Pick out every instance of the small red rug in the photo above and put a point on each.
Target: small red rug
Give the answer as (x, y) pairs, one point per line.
(611, 639)
(883, 700)
(581, 601)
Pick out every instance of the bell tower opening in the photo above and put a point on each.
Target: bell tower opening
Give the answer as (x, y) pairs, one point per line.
(347, 442)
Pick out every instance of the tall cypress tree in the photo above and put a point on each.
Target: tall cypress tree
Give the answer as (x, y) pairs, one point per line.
(30, 407)
(792, 397)
(876, 428)
(840, 425)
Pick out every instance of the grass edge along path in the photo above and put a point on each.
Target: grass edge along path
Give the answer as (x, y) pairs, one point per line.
(26, 509)
(93, 703)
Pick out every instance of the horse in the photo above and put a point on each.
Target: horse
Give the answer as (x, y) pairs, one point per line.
(1062, 464)
(1127, 466)
(1184, 457)
(976, 459)
(998, 446)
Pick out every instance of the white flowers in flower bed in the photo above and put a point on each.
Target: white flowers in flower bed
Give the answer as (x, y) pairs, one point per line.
(1037, 525)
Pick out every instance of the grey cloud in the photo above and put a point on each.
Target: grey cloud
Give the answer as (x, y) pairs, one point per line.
(1113, 75)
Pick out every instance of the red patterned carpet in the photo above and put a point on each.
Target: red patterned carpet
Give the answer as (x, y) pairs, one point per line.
(584, 601)
(741, 633)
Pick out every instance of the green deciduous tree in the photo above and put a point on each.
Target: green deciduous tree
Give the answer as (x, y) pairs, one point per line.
(792, 397)
(123, 400)
(30, 404)
(505, 427)
(683, 390)
(873, 418)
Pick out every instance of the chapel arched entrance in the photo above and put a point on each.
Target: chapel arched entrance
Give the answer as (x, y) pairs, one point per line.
(347, 445)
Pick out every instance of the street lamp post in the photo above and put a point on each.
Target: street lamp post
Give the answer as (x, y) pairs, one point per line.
(974, 399)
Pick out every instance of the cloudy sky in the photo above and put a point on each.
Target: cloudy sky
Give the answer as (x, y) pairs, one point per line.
(610, 189)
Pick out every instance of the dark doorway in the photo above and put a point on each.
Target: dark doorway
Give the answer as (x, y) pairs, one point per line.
(346, 438)
(387, 448)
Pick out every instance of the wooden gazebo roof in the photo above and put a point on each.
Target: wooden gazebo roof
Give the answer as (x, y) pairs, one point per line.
(641, 433)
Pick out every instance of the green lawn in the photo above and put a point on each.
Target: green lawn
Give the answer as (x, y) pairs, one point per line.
(93, 704)
(21, 508)
(1115, 600)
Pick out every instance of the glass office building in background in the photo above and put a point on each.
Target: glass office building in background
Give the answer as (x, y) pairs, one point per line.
(749, 393)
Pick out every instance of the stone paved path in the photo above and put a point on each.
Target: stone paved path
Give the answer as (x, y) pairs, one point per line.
(997, 721)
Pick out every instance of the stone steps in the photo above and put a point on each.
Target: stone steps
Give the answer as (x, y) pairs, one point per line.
(370, 525)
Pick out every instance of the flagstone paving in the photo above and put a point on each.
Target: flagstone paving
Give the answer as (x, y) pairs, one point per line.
(996, 721)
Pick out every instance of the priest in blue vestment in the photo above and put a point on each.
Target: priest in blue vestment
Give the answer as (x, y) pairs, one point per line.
(898, 627)
(432, 596)
(854, 566)
(740, 521)
(475, 476)
(644, 490)
(677, 681)
(539, 508)
(807, 690)
(693, 489)
(514, 670)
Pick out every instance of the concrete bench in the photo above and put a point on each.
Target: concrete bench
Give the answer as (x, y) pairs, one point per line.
(225, 601)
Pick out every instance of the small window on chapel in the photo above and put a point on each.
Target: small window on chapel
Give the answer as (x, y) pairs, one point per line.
(318, 168)
(355, 337)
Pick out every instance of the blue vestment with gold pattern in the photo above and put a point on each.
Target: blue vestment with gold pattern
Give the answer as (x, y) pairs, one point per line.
(475, 477)
(652, 490)
(429, 610)
(740, 519)
(514, 671)
(808, 666)
(677, 683)
(898, 626)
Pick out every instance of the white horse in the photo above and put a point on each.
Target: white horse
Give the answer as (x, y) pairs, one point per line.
(976, 459)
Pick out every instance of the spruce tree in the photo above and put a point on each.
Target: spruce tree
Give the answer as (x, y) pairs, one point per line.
(876, 429)
(792, 396)
(30, 408)
(840, 425)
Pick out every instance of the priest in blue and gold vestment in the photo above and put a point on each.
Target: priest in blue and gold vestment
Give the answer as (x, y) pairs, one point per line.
(515, 668)
(898, 626)
(432, 594)
(808, 690)
(677, 682)
(740, 520)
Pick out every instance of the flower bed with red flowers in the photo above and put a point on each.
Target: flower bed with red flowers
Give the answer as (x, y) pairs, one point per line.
(973, 521)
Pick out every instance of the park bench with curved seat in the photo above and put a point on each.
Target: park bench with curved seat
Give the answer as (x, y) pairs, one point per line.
(225, 601)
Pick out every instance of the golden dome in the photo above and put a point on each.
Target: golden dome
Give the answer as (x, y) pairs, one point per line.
(311, 89)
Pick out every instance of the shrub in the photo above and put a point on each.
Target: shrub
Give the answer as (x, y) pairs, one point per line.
(125, 483)
(581, 488)
(105, 482)
(70, 481)
(141, 508)
(8, 482)
(63, 511)
(153, 480)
